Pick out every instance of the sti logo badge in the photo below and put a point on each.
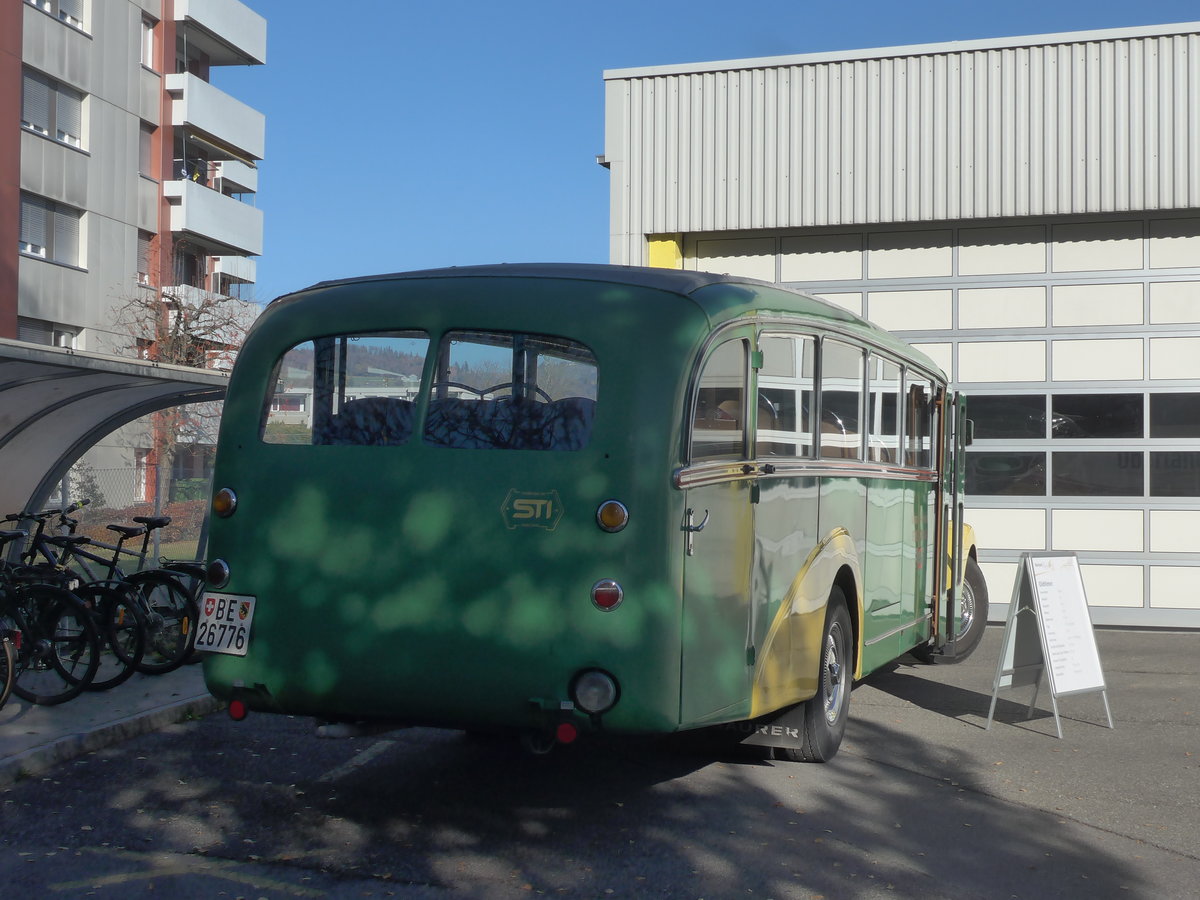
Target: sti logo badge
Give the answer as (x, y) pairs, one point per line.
(525, 509)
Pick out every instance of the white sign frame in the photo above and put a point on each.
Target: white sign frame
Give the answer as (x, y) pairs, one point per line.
(1048, 591)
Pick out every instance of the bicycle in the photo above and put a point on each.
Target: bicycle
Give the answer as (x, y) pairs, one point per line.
(116, 611)
(165, 610)
(54, 641)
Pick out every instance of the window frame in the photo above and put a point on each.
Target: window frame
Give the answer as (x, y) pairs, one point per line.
(64, 106)
(62, 227)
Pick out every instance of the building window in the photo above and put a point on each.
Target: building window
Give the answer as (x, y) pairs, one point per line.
(49, 230)
(51, 109)
(1008, 416)
(143, 257)
(148, 43)
(1175, 415)
(146, 151)
(1006, 474)
(143, 474)
(47, 334)
(1096, 416)
(69, 11)
(1175, 473)
(1098, 474)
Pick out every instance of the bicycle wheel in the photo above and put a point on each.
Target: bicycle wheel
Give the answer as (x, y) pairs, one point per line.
(8, 666)
(171, 616)
(59, 649)
(123, 630)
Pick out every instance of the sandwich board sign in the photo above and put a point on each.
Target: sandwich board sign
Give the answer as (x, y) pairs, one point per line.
(1049, 630)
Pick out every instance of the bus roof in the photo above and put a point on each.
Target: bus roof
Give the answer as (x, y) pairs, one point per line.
(702, 288)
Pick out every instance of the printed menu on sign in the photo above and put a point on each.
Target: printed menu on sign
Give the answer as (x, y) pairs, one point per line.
(1070, 644)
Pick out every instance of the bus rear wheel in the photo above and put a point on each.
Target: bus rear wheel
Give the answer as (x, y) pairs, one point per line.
(974, 613)
(826, 713)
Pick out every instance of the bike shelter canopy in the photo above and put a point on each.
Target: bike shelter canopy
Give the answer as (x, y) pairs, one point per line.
(55, 404)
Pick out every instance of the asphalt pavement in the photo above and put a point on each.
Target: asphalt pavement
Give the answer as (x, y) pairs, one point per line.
(34, 739)
(1139, 779)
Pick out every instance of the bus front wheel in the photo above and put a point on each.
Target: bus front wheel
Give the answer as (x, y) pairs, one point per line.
(825, 714)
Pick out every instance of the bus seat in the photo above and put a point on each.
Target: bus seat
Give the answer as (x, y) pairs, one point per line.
(460, 424)
(570, 423)
(372, 421)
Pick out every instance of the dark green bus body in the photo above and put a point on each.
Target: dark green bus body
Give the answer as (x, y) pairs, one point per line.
(449, 586)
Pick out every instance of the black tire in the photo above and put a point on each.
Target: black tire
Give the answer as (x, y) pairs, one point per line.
(171, 616)
(123, 634)
(60, 645)
(826, 713)
(8, 665)
(974, 613)
(972, 620)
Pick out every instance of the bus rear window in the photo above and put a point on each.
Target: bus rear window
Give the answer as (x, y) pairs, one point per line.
(511, 391)
(347, 389)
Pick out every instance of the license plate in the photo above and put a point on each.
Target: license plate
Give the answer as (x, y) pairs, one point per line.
(224, 625)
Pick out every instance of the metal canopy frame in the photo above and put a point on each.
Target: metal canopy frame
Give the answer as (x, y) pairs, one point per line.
(55, 404)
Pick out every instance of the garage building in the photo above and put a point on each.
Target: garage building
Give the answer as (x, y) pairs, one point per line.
(1026, 210)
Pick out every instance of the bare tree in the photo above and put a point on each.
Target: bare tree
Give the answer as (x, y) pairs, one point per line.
(188, 324)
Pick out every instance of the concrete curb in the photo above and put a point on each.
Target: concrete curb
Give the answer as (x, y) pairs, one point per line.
(38, 759)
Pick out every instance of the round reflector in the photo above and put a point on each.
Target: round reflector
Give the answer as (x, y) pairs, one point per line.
(237, 710)
(566, 733)
(217, 573)
(612, 515)
(594, 691)
(607, 594)
(224, 503)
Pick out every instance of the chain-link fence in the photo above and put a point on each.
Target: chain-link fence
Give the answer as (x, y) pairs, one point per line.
(115, 496)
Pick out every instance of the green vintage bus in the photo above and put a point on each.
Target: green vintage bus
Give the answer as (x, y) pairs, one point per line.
(560, 499)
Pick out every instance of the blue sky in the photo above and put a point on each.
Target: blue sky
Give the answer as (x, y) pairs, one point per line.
(438, 133)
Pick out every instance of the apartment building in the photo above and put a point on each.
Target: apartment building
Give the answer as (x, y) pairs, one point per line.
(1026, 210)
(137, 174)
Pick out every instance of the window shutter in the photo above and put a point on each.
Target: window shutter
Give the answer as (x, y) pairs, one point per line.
(35, 101)
(143, 257)
(34, 331)
(70, 115)
(33, 222)
(66, 236)
(71, 11)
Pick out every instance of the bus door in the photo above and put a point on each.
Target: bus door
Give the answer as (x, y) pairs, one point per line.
(718, 537)
(954, 475)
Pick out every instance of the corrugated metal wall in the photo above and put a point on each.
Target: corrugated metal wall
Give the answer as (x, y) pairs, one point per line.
(1090, 126)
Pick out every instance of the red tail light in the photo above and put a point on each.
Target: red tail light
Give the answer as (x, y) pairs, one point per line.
(607, 594)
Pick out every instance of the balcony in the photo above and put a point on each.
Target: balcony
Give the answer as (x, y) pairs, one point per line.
(229, 32)
(220, 120)
(238, 268)
(233, 177)
(220, 222)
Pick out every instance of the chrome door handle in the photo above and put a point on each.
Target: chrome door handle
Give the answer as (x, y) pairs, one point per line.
(692, 529)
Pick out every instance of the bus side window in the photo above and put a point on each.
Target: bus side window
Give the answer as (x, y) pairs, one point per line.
(841, 400)
(718, 429)
(883, 424)
(785, 393)
(919, 424)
